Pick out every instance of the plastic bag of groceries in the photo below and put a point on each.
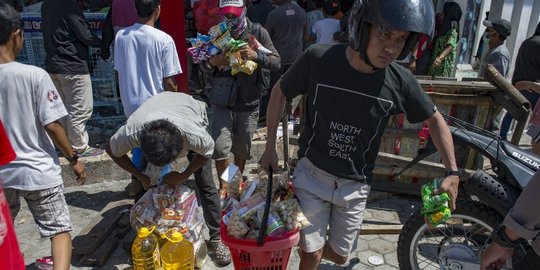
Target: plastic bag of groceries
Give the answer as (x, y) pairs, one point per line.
(166, 207)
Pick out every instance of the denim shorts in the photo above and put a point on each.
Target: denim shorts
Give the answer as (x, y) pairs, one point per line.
(232, 132)
(334, 206)
(48, 207)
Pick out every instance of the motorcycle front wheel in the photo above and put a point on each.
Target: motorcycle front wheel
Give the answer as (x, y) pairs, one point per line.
(463, 237)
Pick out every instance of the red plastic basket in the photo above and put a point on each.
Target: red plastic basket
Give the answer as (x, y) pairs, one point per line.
(272, 255)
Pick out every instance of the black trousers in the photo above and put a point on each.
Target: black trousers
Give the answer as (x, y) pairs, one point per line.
(209, 199)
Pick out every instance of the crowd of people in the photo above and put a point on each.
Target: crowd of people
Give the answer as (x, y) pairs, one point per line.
(339, 55)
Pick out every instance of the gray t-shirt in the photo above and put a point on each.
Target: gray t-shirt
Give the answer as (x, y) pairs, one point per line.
(499, 57)
(286, 25)
(28, 102)
(185, 112)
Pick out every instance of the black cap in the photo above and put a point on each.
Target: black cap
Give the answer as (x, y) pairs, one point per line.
(501, 26)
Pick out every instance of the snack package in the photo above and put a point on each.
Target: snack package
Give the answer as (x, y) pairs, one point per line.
(253, 202)
(249, 189)
(248, 67)
(162, 201)
(172, 214)
(217, 30)
(233, 176)
(229, 203)
(236, 226)
(435, 207)
(166, 207)
(281, 188)
(223, 41)
(235, 61)
(291, 214)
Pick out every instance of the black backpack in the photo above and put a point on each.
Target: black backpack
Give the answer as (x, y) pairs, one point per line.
(265, 73)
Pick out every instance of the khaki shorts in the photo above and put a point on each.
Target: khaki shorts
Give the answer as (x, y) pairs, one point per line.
(334, 206)
(48, 207)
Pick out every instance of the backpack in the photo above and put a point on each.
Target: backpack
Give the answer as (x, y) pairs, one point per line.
(265, 73)
(206, 14)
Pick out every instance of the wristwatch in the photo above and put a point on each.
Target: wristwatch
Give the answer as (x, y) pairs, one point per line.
(456, 173)
(74, 157)
(499, 236)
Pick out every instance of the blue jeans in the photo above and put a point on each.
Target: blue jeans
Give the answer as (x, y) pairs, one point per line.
(507, 120)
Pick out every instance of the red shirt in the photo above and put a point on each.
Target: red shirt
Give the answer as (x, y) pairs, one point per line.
(10, 254)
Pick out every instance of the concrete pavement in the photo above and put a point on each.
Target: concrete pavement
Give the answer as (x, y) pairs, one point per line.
(86, 201)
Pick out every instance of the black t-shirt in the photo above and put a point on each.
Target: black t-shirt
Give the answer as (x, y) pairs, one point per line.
(528, 61)
(347, 110)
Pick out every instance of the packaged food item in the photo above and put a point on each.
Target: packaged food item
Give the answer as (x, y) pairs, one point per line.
(274, 224)
(255, 201)
(248, 67)
(162, 201)
(229, 203)
(172, 214)
(249, 189)
(233, 176)
(435, 207)
(217, 30)
(223, 41)
(236, 226)
(435, 218)
(291, 214)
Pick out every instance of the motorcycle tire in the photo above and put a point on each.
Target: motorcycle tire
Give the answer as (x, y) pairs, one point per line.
(442, 241)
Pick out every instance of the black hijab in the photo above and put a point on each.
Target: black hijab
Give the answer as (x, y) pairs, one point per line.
(452, 15)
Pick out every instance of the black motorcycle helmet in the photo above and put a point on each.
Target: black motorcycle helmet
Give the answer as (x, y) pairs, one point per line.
(416, 16)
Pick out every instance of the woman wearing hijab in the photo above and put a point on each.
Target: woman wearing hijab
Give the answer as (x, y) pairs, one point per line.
(444, 47)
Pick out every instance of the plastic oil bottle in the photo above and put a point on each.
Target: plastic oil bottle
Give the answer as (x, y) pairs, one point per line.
(177, 253)
(145, 251)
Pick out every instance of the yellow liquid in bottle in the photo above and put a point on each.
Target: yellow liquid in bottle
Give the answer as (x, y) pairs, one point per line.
(177, 254)
(145, 252)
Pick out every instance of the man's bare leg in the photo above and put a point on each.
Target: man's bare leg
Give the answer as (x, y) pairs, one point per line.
(310, 261)
(61, 251)
(241, 163)
(330, 255)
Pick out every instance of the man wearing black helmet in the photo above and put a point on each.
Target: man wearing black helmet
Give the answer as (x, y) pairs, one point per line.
(351, 91)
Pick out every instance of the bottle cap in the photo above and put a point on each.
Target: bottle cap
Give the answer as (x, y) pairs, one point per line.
(176, 237)
(145, 232)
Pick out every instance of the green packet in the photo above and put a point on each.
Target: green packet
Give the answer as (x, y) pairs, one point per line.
(434, 207)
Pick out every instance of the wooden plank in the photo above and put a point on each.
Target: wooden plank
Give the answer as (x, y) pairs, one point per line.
(123, 226)
(368, 228)
(451, 86)
(97, 230)
(427, 168)
(101, 254)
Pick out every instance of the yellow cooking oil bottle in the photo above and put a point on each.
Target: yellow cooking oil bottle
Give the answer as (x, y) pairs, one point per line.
(145, 251)
(177, 253)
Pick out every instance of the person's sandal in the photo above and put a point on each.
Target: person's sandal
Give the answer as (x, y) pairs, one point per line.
(45, 263)
(219, 253)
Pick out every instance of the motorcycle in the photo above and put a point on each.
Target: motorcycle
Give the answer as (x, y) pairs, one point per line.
(485, 198)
